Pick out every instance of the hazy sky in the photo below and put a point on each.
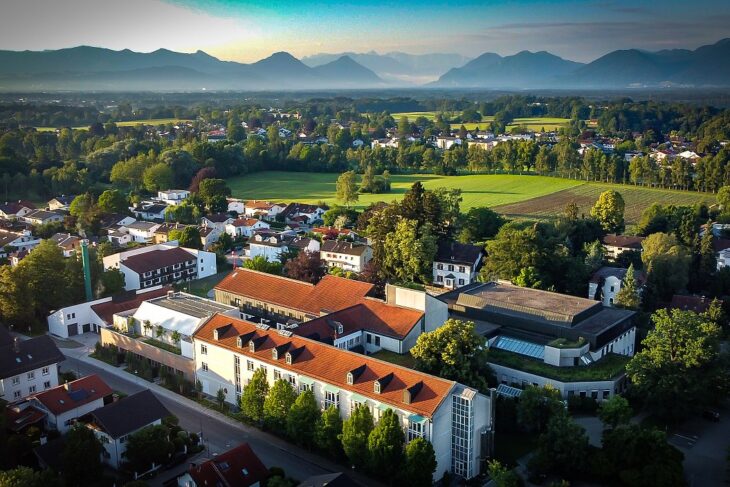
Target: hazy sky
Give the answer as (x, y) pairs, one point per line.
(246, 31)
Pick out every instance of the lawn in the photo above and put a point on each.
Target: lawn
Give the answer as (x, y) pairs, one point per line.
(200, 287)
(605, 369)
(534, 124)
(477, 190)
(412, 116)
(404, 360)
(637, 199)
(129, 123)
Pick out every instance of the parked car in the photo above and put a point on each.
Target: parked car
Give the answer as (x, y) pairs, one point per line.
(711, 415)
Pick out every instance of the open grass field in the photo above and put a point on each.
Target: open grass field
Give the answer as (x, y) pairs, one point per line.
(412, 116)
(637, 199)
(534, 197)
(129, 123)
(535, 124)
(477, 190)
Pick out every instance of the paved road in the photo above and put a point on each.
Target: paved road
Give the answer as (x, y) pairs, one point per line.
(218, 435)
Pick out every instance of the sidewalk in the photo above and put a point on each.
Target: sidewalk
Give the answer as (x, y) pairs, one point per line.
(81, 353)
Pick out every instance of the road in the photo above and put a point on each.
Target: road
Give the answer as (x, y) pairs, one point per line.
(218, 435)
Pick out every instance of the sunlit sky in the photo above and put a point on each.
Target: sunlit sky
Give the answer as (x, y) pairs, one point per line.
(246, 31)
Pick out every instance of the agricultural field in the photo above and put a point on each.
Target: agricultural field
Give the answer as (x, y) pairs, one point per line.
(537, 197)
(412, 116)
(534, 124)
(129, 123)
(637, 199)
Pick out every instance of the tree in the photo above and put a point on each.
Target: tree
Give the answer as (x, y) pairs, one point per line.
(409, 252)
(86, 212)
(454, 351)
(420, 463)
(385, 446)
(615, 411)
(204, 173)
(479, 224)
(347, 188)
(81, 457)
(254, 395)
(723, 199)
(113, 201)
(301, 422)
(188, 237)
(628, 296)
(536, 406)
(562, 449)
(277, 404)
(595, 255)
(235, 130)
(148, 446)
(355, 432)
(666, 263)
(306, 266)
(680, 359)
(220, 397)
(707, 258)
(329, 428)
(209, 189)
(641, 456)
(502, 476)
(261, 264)
(175, 337)
(609, 211)
(112, 282)
(27, 477)
(158, 177)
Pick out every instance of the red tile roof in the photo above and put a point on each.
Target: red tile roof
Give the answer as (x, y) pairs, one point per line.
(330, 294)
(81, 391)
(245, 222)
(627, 241)
(698, 304)
(126, 302)
(330, 365)
(156, 259)
(239, 467)
(371, 314)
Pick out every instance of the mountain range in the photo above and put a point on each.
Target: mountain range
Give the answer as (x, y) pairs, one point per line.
(93, 68)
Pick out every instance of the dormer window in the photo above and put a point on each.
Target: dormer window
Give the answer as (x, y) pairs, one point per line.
(287, 357)
(274, 354)
(349, 378)
(376, 387)
(251, 346)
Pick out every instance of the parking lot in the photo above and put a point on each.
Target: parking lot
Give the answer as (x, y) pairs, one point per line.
(705, 446)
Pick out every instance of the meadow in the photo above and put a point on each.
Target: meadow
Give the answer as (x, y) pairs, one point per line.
(129, 123)
(535, 124)
(515, 196)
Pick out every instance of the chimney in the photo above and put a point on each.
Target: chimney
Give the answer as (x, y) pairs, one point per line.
(16, 345)
(67, 386)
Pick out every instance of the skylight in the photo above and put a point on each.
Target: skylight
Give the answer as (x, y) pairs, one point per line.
(519, 346)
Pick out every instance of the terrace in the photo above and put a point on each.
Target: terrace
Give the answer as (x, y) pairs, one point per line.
(607, 368)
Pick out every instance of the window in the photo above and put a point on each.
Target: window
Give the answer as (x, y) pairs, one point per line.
(331, 399)
(376, 387)
(462, 432)
(416, 430)
(292, 380)
(439, 278)
(440, 267)
(377, 341)
(263, 367)
(16, 395)
(606, 393)
(461, 282)
(451, 267)
(31, 375)
(305, 387)
(203, 349)
(47, 384)
(31, 389)
(277, 375)
(462, 268)
(204, 366)
(45, 371)
(249, 365)
(611, 288)
(369, 338)
(123, 439)
(16, 380)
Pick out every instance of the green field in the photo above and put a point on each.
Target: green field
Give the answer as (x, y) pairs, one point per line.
(129, 123)
(412, 116)
(515, 196)
(535, 124)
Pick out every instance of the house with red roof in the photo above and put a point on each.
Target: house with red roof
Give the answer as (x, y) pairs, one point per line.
(239, 467)
(69, 401)
(245, 227)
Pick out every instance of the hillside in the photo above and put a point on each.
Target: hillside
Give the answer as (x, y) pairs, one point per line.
(92, 68)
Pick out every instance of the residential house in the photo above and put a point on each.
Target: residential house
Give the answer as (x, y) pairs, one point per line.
(271, 245)
(209, 236)
(173, 197)
(236, 205)
(15, 209)
(263, 209)
(62, 203)
(216, 135)
(161, 264)
(150, 211)
(245, 227)
(456, 264)
(239, 467)
(161, 324)
(697, 304)
(349, 256)
(64, 404)
(606, 282)
(16, 237)
(114, 423)
(92, 316)
(333, 233)
(161, 233)
(313, 213)
(216, 220)
(524, 325)
(27, 366)
(41, 217)
(615, 245)
(445, 143)
(68, 243)
(426, 406)
(143, 232)
(383, 143)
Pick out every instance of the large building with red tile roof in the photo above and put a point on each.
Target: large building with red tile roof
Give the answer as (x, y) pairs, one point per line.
(69, 401)
(336, 310)
(239, 467)
(228, 351)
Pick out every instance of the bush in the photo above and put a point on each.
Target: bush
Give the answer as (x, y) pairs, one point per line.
(578, 404)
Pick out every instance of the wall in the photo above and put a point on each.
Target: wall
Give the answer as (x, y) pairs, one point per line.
(58, 321)
(173, 360)
(206, 263)
(7, 389)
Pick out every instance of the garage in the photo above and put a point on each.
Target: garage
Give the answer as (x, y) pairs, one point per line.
(73, 329)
